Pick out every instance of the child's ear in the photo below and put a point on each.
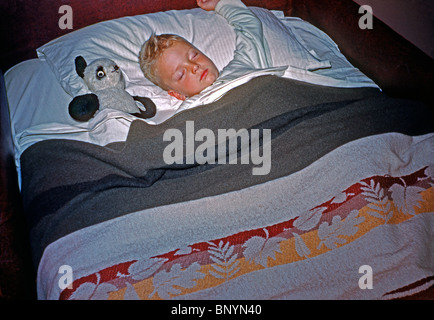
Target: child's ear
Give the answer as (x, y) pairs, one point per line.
(176, 95)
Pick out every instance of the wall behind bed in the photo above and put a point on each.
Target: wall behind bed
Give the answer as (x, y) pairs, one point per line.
(26, 24)
(413, 19)
(396, 65)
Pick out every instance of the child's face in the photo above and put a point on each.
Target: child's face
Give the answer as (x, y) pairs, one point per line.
(185, 70)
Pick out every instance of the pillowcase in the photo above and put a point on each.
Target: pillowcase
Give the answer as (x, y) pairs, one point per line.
(121, 39)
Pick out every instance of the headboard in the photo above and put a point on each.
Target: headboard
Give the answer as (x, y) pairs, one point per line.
(394, 63)
(26, 25)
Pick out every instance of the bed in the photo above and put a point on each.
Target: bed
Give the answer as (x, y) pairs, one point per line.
(312, 183)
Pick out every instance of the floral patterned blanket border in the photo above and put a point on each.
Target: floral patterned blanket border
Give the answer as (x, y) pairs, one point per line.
(345, 218)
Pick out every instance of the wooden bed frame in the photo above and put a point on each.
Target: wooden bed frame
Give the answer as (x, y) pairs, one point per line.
(399, 68)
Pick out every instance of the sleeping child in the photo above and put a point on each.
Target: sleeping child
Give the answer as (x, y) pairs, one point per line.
(177, 66)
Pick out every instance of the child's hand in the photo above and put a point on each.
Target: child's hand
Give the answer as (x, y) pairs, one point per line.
(207, 5)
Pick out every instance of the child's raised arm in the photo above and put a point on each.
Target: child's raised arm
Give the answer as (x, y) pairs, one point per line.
(207, 5)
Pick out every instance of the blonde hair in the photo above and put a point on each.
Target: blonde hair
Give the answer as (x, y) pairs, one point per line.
(151, 51)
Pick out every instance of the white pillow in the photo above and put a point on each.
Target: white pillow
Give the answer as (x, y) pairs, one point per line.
(121, 40)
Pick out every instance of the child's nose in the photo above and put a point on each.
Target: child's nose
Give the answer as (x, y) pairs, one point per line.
(195, 68)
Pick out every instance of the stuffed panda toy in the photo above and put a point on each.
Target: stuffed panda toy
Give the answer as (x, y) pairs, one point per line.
(105, 80)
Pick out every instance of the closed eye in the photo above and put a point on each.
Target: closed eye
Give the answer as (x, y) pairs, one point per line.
(179, 75)
(194, 55)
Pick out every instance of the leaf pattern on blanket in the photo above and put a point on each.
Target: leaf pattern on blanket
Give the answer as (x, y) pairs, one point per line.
(92, 291)
(368, 204)
(406, 198)
(225, 265)
(309, 220)
(130, 293)
(143, 269)
(331, 235)
(168, 283)
(301, 247)
(258, 249)
(379, 201)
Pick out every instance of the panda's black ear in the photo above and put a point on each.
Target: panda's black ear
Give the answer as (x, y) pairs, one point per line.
(80, 66)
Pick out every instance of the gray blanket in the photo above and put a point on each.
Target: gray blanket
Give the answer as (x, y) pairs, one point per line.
(68, 185)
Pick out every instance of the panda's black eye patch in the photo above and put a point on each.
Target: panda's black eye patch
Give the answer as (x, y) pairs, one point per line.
(100, 73)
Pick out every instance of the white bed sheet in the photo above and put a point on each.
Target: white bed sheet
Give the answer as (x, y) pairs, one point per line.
(39, 105)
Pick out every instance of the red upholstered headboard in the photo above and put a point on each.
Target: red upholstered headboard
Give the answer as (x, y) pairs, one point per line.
(26, 25)
(395, 64)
